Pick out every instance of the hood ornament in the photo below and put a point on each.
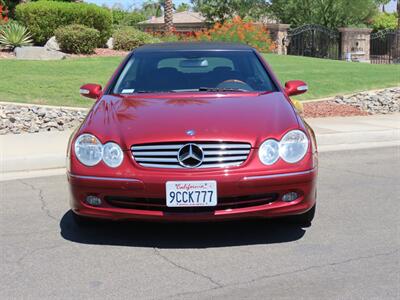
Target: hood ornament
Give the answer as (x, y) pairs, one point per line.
(190, 132)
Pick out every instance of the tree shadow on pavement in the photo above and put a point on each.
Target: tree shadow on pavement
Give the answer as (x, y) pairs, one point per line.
(181, 235)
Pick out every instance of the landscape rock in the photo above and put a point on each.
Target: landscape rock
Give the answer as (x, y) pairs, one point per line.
(379, 102)
(16, 119)
(110, 43)
(38, 53)
(52, 44)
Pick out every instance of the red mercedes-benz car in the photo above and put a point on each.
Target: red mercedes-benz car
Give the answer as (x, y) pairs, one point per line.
(193, 132)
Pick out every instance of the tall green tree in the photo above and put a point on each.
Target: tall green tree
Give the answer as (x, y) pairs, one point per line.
(330, 13)
(398, 14)
(152, 8)
(183, 7)
(221, 10)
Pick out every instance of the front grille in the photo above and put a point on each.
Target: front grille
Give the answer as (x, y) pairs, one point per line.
(216, 154)
(158, 204)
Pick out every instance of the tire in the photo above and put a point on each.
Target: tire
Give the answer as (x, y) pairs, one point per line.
(303, 219)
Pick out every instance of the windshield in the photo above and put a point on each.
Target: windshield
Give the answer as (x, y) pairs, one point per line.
(187, 71)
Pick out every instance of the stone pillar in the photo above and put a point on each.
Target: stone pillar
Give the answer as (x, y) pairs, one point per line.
(278, 34)
(355, 44)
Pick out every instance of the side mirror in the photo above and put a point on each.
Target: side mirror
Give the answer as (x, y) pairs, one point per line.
(90, 90)
(295, 87)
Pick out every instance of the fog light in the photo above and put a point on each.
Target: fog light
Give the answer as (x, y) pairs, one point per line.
(93, 200)
(289, 197)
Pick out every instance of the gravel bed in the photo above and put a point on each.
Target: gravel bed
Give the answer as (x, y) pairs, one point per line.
(6, 54)
(322, 109)
(99, 52)
(359, 104)
(379, 102)
(17, 119)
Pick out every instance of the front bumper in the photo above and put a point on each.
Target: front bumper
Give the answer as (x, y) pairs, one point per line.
(257, 196)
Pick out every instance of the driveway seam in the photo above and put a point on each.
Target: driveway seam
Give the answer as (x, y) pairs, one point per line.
(170, 261)
(290, 272)
(43, 206)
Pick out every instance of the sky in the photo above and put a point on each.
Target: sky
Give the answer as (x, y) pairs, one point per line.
(128, 3)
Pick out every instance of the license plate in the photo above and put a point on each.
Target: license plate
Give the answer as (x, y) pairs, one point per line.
(191, 193)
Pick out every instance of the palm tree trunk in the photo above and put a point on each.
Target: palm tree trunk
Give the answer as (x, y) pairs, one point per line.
(168, 16)
(398, 15)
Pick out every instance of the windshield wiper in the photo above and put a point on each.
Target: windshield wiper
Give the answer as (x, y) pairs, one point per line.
(154, 92)
(210, 89)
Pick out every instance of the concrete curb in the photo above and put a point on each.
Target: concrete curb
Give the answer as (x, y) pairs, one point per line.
(45, 106)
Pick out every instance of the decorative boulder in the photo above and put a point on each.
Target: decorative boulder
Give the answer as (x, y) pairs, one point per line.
(110, 43)
(52, 44)
(38, 53)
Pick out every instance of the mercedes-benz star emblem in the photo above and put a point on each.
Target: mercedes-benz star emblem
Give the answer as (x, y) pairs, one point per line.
(190, 156)
(191, 132)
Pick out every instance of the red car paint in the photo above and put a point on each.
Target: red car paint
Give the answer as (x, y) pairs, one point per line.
(250, 117)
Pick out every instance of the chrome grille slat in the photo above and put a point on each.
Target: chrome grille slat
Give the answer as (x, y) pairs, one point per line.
(156, 147)
(155, 153)
(222, 159)
(230, 152)
(156, 159)
(223, 146)
(168, 166)
(216, 154)
(221, 165)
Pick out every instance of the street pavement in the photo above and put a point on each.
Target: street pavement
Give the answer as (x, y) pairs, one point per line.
(350, 252)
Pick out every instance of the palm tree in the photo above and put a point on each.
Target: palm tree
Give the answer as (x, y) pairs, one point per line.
(398, 14)
(168, 15)
(152, 8)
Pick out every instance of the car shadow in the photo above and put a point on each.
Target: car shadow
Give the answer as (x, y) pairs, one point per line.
(181, 235)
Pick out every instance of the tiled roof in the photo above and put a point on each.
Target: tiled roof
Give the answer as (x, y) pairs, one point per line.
(181, 17)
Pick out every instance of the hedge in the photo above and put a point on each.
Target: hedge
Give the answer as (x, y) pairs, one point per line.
(42, 18)
(129, 38)
(78, 39)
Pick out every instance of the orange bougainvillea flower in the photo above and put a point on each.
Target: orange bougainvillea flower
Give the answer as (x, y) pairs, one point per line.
(238, 30)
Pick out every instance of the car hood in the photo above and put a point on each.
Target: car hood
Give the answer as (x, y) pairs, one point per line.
(239, 118)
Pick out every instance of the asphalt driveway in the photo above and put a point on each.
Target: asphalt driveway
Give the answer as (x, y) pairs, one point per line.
(351, 251)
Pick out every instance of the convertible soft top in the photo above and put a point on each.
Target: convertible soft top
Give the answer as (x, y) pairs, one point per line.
(193, 46)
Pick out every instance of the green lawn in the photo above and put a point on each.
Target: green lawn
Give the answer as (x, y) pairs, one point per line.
(58, 82)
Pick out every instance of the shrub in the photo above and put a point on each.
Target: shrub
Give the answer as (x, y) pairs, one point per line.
(385, 21)
(14, 35)
(118, 15)
(131, 19)
(173, 36)
(128, 38)
(121, 17)
(78, 39)
(239, 31)
(3, 14)
(44, 17)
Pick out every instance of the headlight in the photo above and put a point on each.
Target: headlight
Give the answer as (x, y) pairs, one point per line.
(269, 152)
(88, 150)
(293, 146)
(112, 155)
